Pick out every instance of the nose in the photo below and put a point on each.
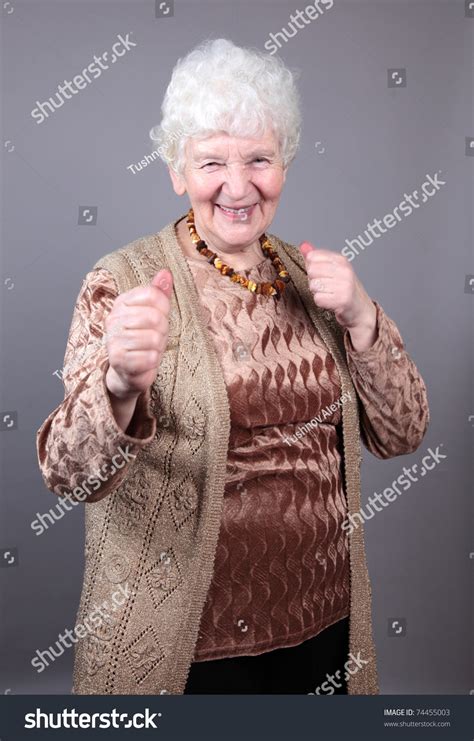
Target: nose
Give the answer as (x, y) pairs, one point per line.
(235, 184)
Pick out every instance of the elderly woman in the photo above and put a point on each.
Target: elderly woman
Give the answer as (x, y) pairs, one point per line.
(213, 421)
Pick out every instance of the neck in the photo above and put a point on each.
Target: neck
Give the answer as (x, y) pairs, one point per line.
(237, 258)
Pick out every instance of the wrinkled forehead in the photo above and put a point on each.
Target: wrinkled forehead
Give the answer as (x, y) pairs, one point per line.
(225, 146)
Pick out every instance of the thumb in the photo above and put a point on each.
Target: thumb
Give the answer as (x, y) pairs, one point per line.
(306, 248)
(164, 281)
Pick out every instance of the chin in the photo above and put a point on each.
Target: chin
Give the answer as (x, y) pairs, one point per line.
(234, 240)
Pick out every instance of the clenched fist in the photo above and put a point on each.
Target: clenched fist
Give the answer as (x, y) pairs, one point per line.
(334, 285)
(137, 336)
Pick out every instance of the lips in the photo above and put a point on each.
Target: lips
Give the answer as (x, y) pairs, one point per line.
(242, 213)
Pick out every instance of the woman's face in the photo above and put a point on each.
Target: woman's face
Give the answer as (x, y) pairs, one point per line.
(234, 185)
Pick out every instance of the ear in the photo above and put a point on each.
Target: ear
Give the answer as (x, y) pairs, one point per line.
(179, 185)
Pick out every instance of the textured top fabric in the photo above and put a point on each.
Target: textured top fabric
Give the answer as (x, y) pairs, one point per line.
(281, 571)
(170, 523)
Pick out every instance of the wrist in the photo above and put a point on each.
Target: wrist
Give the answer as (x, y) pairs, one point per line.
(366, 320)
(364, 333)
(116, 390)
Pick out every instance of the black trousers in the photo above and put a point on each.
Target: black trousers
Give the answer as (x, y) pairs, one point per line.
(295, 670)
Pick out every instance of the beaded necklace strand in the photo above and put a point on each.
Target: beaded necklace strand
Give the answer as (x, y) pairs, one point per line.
(274, 289)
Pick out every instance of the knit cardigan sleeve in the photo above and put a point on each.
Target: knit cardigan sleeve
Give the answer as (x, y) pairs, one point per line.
(82, 452)
(394, 404)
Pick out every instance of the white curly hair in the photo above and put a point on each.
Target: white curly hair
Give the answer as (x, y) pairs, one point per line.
(221, 87)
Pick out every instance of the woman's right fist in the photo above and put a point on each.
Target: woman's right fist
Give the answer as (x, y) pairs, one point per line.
(137, 335)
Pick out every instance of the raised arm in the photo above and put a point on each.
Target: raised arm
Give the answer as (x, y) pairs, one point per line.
(83, 451)
(394, 403)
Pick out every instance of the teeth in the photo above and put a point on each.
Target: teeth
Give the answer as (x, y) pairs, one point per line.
(236, 210)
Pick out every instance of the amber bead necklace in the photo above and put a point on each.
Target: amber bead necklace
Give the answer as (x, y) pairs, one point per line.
(274, 289)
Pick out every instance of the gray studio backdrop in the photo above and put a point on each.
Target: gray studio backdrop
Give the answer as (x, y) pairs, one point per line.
(387, 94)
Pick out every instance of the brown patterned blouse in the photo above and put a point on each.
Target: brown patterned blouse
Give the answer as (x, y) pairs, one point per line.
(281, 572)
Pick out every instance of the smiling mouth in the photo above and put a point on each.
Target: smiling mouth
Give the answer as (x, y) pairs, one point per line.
(239, 212)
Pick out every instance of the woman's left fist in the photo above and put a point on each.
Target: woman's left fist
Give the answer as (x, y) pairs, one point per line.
(335, 286)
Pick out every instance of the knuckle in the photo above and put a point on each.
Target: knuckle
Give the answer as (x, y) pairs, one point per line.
(116, 359)
(153, 357)
(154, 341)
(155, 316)
(134, 366)
(164, 323)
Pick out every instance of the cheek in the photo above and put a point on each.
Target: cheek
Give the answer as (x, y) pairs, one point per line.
(205, 189)
(271, 186)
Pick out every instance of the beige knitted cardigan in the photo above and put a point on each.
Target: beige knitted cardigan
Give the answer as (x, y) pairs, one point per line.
(158, 530)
